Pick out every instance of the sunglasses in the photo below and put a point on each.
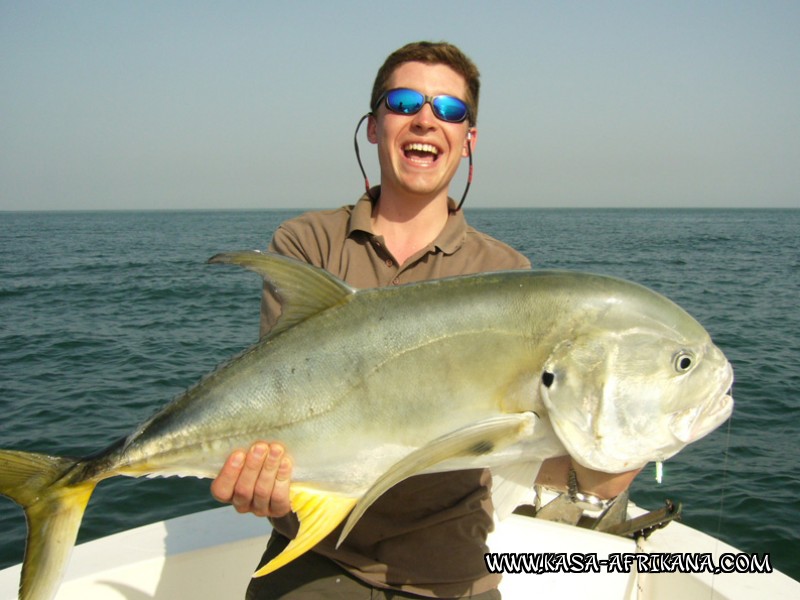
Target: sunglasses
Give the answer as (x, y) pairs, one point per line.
(404, 101)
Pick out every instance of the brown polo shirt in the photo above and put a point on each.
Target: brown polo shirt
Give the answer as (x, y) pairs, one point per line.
(341, 241)
(427, 534)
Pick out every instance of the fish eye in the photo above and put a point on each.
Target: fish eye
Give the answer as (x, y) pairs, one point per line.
(548, 379)
(684, 361)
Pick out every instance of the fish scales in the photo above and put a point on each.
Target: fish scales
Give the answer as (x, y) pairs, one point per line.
(306, 385)
(366, 388)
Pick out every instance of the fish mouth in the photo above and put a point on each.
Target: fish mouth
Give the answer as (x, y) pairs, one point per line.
(694, 423)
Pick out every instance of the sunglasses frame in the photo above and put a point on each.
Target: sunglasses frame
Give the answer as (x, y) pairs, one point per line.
(425, 100)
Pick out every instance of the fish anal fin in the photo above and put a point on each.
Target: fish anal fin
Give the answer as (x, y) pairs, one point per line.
(319, 513)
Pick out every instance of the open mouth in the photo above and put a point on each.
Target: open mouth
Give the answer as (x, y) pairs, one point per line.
(421, 153)
(694, 423)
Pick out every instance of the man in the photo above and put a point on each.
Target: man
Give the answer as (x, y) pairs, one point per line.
(426, 536)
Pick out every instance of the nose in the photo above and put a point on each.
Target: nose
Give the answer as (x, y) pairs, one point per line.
(425, 118)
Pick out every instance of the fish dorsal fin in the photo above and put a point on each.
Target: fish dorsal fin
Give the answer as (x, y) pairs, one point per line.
(476, 439)
(319, 513)
(303, 289)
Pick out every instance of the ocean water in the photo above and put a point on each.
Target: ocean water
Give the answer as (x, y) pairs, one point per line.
(105, 316)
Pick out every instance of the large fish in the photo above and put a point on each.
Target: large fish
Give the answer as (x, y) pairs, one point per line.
(366, 388)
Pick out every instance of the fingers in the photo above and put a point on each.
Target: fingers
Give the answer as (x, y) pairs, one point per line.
(271, 489)
(256, 481)
(222, 486)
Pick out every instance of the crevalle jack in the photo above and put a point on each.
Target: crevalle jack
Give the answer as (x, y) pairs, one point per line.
(368, 387)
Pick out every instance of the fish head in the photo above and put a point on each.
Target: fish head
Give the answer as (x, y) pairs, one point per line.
(636, 381)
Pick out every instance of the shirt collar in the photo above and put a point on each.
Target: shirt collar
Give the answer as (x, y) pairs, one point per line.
(448, 241)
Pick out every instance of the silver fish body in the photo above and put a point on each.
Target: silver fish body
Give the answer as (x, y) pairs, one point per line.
(368, 387)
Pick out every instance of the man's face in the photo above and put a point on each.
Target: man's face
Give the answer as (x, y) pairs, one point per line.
(419, 154)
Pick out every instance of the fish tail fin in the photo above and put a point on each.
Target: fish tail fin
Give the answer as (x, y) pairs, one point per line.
(54, 508)
(319, 514)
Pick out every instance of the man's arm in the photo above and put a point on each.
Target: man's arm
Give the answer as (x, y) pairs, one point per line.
(554, 473)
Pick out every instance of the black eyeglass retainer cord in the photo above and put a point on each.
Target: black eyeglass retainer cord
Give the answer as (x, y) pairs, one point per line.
(366, 179)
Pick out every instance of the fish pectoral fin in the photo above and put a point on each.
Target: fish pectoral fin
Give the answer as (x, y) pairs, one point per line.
(319, 513)
(479, 438)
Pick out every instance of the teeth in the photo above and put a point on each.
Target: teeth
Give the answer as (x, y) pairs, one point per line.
(422, 148)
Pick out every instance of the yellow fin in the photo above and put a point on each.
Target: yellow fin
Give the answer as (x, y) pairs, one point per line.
(54, 506)
(319, 514)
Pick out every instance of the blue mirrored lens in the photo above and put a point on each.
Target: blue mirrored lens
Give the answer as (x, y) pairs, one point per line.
(409, 102)
(450, 109)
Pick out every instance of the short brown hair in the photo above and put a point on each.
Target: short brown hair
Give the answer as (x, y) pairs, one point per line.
(432, 53)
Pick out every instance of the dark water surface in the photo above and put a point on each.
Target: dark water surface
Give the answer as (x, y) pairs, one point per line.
(104, 317)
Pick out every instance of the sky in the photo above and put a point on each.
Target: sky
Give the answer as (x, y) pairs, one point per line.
(245, 105)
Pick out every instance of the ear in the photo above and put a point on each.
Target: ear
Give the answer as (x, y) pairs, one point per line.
(372, 129)
(472, 138)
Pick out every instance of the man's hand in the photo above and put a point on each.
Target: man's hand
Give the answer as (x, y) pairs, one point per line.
(256, 481)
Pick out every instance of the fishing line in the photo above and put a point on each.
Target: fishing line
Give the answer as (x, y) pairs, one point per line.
(723, 491)
(724, 487)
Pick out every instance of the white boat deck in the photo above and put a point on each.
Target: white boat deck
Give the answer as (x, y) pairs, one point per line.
(212, 554)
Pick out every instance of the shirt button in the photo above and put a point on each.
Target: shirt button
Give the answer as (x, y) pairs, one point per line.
(389, 262)
(396, 281)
